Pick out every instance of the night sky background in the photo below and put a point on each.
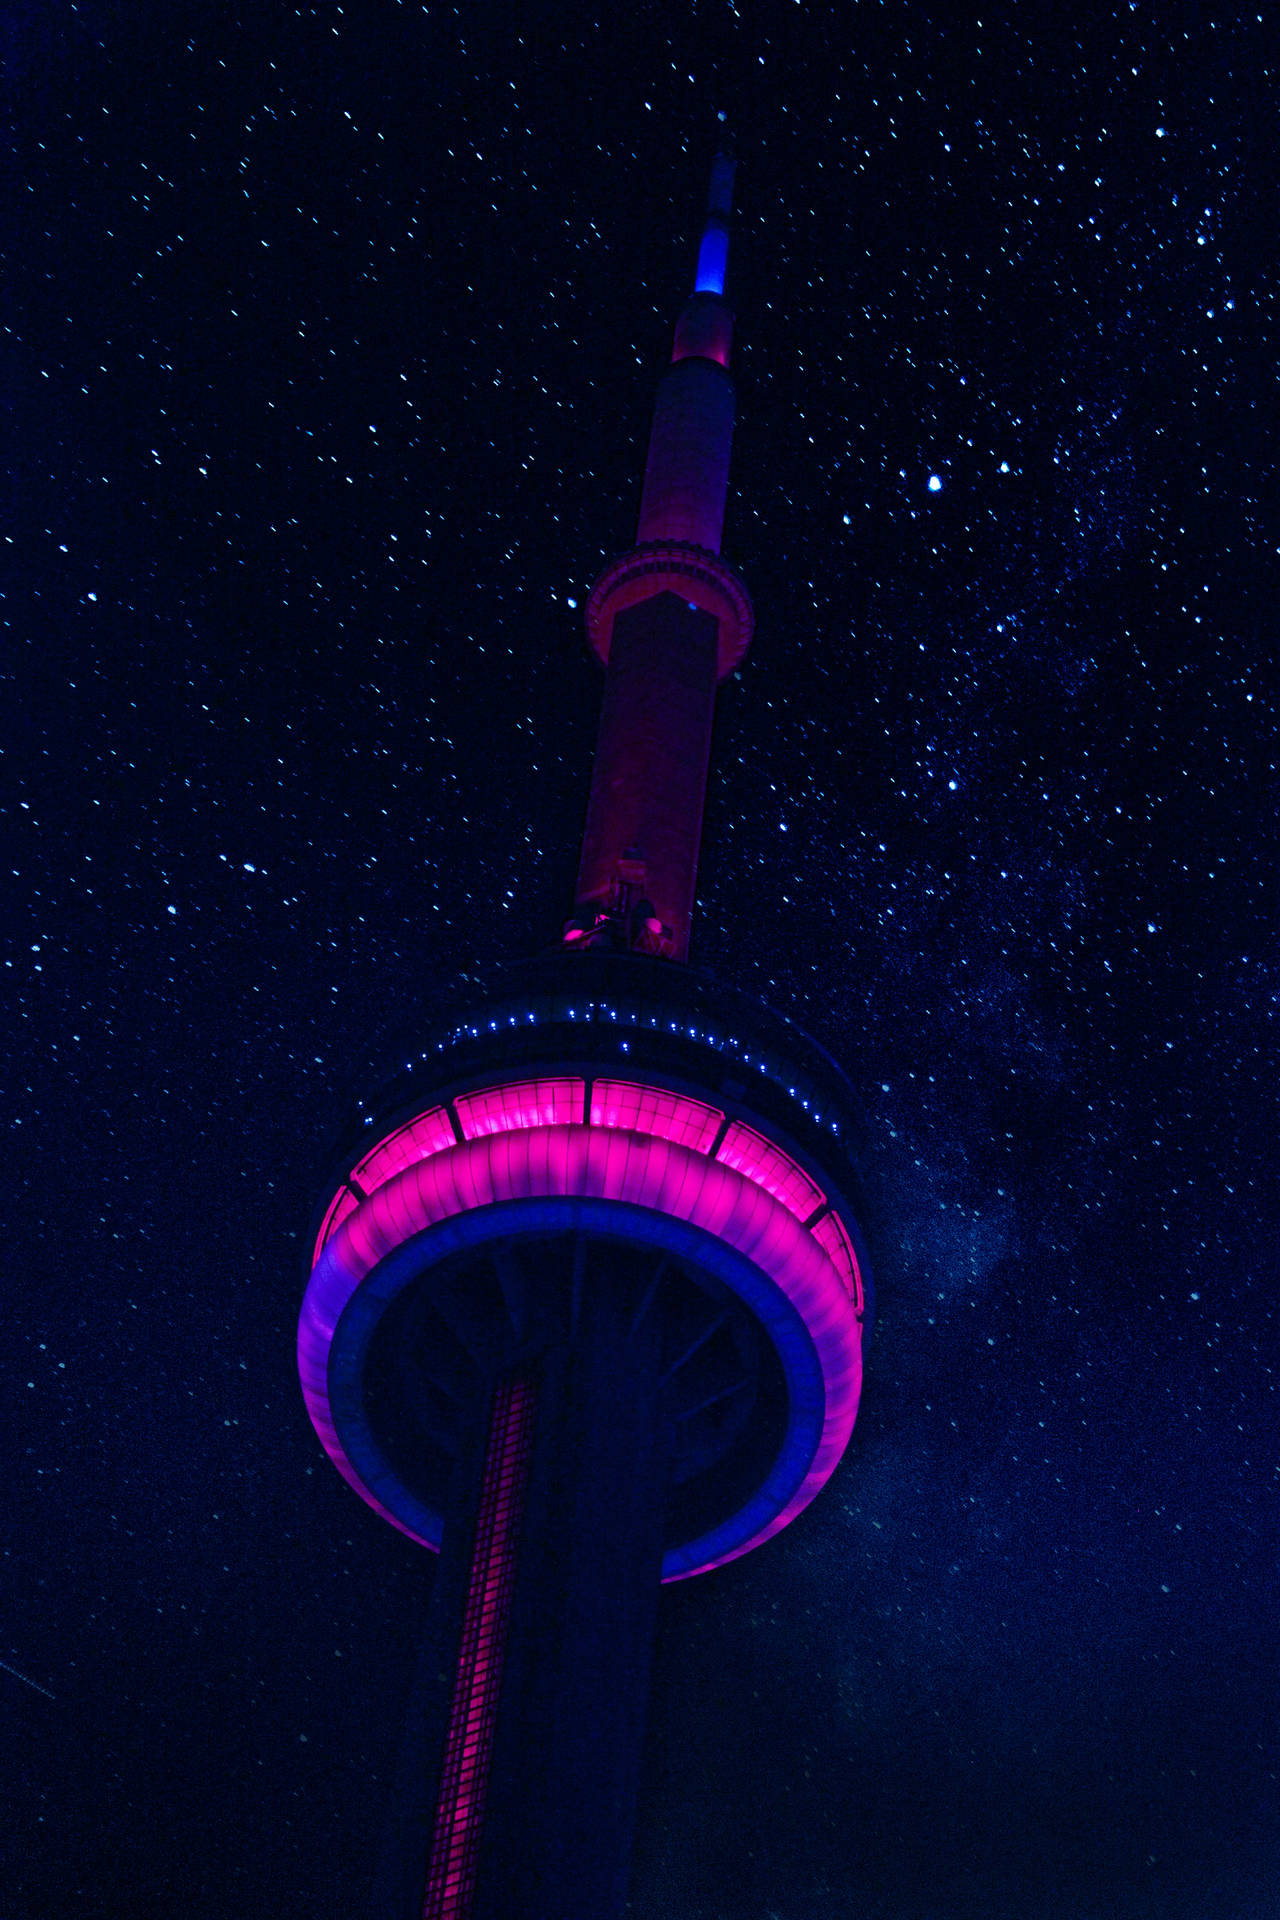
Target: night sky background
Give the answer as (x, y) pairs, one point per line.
(333, 338)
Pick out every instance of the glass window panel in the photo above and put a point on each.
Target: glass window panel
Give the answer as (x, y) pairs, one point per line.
(751, 1155)
(523, 1103)
(418, 1139)
(835, 1243)
(654, 1110)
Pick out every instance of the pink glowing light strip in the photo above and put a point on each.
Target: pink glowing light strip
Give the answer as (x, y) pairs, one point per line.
(468, 1748)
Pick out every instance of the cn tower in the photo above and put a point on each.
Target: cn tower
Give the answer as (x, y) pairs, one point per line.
(586, 1304)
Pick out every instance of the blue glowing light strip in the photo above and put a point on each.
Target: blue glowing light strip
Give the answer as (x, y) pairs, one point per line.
(713, 258)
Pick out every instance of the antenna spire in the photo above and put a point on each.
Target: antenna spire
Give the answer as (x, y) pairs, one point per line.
(713, 253)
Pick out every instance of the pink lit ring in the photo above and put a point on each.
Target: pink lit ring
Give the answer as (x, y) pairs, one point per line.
(666, 566)
(602, 1179)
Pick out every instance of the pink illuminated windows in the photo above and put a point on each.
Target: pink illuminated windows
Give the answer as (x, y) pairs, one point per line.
(524, 1103)
(765, 1165)
(417, 1140)
(835, 1243)
(623, 1106)
(343, 1203)
(669, 1116)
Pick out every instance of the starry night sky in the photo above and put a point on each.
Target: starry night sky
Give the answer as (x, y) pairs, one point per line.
(333, 341)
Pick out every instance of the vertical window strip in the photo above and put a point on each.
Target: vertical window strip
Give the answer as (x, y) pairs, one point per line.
(473, 1711)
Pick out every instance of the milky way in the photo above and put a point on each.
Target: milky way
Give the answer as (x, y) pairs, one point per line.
(333, 347)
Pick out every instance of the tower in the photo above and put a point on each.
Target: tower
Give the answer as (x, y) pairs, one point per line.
(587, 1292)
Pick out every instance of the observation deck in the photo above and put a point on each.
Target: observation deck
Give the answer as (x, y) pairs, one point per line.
(605, 1134)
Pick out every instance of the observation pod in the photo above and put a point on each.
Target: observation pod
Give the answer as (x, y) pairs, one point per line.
(607, 1134)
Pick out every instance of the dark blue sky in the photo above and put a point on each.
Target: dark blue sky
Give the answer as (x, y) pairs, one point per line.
(333, 339)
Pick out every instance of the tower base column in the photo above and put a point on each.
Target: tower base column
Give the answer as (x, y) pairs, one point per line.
(566, 1763)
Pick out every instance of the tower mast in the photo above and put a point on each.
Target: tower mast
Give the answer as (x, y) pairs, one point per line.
(669, 620)
(586, 1302)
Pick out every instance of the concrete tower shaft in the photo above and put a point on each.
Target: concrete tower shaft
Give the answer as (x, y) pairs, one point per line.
(686, 476)
(669, 620)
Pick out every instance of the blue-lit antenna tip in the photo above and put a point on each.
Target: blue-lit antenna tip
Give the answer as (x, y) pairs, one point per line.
(713, 253)
(713, 258)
